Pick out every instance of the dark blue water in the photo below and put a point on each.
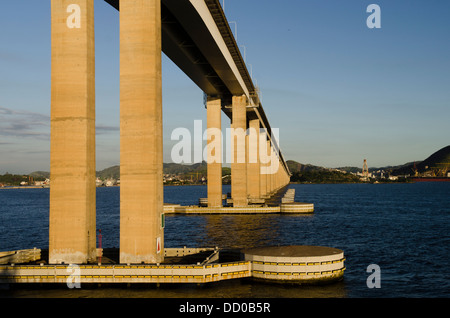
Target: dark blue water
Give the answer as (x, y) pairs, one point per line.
(403, 228)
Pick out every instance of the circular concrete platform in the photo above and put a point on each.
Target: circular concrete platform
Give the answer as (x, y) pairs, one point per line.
(297, 264)
(296, 207)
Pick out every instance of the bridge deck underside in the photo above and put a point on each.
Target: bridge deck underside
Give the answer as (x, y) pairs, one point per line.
(188, 42)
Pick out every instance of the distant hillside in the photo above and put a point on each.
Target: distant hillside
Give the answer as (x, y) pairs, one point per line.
(350, 169)
(40, 175)
(113, 172)
(433, 162)
(371, 169)
(175, 168)
(109, 173)
(168, 168)
(315, 174)
(295, 166)
(199, 169)
(405, 166)
(301, 172)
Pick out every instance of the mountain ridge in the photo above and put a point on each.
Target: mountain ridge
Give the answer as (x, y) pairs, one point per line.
(440, 156)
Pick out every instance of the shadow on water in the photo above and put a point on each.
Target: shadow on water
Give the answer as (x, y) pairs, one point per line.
(231, 231)
(244, 288)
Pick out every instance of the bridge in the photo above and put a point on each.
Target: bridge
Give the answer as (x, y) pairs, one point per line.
(196, 36)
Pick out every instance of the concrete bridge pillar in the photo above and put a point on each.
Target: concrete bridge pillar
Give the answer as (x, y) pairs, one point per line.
(275, 180)
(280, 170)
(141, 138)
(269, 171)
(274, 176)
(72, 228)
(214, 152)
(262, 160)
(238, 149)
(253, 163)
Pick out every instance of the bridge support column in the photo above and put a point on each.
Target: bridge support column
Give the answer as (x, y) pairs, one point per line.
(269, 170)
(276, 184)
(278, 177)
(238, 150)
(263, 160)
(72, 228)
(214, 151)
(141, 139)
(253, 166)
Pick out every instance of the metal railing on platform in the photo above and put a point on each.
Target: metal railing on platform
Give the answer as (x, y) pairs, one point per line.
(20, 256)
(124, 273)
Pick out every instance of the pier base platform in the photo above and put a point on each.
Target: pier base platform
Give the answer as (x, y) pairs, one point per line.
(298, 264)
(282, 202)
(294, 208)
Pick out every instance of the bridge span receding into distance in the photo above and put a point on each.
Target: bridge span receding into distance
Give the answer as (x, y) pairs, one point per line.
(196, 36)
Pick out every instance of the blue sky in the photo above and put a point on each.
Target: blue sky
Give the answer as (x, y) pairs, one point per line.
(338, 91)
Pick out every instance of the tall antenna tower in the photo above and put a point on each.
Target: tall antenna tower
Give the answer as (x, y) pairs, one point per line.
(365, 170)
